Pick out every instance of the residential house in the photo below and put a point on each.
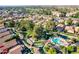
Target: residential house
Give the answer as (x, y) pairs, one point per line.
(36, 50)
(4, 38)
(75, 21)
(56, 13)
(56, 19)
(60, 27)
(3, 49)
(10, 44)
(2, 26)
(16, 50)
(61, 20)
(30, 41)
(3, 30)
(4, 34)
(77, 29)
(70, 29)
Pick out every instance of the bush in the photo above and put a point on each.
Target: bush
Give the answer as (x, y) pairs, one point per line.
(68, 22)
(51, 51)
(70, 49)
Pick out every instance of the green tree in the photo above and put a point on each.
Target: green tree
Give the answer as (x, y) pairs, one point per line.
(70, 49)
(10, 23)
(51, 51)
(31, 33)
(63, 14)
(77, 24)
(26, 25)
(49, 25)
(68, 22)
(1, 17)
(47, 12)
(38, 29)
(76, 15)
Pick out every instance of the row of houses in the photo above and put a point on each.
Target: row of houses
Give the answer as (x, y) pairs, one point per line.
(69, 29)
(11, 46)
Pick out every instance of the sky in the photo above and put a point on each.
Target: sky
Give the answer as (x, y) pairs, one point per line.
(38, 2)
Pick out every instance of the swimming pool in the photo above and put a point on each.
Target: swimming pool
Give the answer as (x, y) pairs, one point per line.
(58, 40)
(55, 40)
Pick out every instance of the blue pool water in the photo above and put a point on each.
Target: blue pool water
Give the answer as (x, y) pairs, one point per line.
(56, 40)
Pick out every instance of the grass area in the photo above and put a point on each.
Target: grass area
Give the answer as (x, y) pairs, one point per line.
(39, 43)
(77, 51)
(69, 35)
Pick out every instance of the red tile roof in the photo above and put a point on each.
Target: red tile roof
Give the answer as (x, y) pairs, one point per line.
(10, 43)
(4, 33)
(3, 39)
(16, 50)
